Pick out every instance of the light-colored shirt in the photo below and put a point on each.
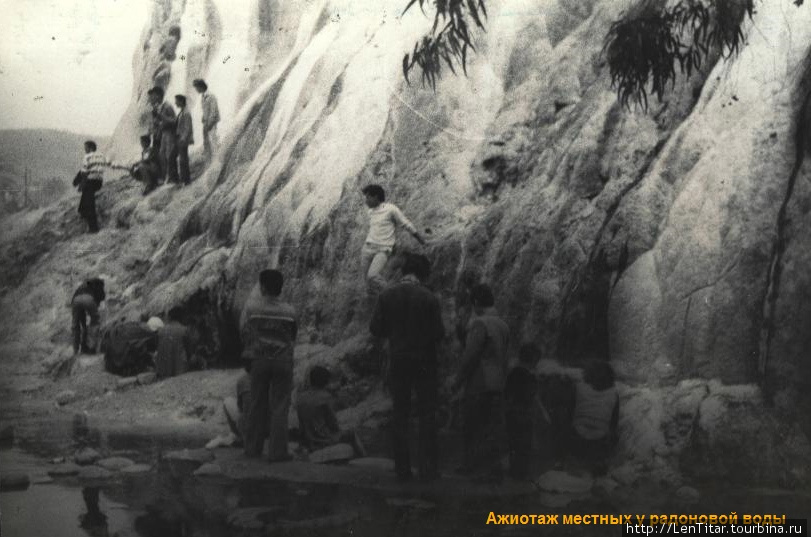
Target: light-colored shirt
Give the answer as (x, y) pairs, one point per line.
(383, 221)
(593, 410)
(211, 112)
(93, 165)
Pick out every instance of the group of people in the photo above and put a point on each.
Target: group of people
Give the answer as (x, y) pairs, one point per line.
(164, 151)
(502, 409)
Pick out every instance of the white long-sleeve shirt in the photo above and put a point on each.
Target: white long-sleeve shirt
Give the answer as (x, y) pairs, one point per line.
(383, 221)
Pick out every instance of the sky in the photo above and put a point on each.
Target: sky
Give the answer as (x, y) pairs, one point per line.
(67, 64)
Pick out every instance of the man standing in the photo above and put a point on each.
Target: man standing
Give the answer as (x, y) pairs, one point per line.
(211, 116)
(483, 375)
(383, 220)
(174, 346)
(85, 303)
(89, 181)
(268, 330)
(408, 314)
(185, 138)
(164, 124)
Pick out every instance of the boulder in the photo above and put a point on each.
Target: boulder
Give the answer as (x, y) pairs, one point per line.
(86, 456)
(336, 453)
(65, 397)
(65, 469)
(10, 481)
(115, 464)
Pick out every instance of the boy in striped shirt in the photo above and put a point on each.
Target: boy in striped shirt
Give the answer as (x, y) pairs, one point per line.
(89, 181)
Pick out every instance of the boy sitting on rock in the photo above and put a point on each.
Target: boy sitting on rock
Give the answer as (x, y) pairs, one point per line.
(317, 421)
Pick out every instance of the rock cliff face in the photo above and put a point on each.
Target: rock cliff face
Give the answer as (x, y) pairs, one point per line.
(670, 241)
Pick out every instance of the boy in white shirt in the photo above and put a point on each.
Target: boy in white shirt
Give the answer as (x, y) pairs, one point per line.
(383, 220)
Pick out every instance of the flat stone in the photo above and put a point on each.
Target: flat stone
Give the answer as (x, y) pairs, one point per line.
(336, 453)
(126, 383)
(252, 518)
(186, 461)
(688, 495)
(324, 522)
(196, 455)
(94, 472)
(115, 463)
(377, 463)
(86, 456)
(65, 469)
(137, 469)
(146, 378)
(411, 503)
(65, 397)
(557, 481)
(208, 469)
(14, 481)
(42, 480)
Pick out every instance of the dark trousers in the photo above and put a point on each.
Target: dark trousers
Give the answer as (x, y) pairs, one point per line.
(87, 209)
(79, 329)
(167, 154)
(483, 432)
(407, 374)
(148, 175)
(520, 430)
(271, 386)
(183, 163)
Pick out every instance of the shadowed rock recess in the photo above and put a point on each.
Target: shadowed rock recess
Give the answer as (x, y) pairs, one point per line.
(673, 241)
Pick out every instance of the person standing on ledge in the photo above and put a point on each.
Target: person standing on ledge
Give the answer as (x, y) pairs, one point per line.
(383, 220)
(211, 116)
(89, 181)
(164, 125)
(268, 329)
(185, 138)
(409, 315)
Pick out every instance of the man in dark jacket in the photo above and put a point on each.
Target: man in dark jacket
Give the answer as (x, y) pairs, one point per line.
(85, 303)
(409, 315)
(185, 138)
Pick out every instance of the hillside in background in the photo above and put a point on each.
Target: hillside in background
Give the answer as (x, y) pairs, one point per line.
(47, 154)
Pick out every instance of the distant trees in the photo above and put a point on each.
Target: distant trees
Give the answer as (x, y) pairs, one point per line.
(643, 49)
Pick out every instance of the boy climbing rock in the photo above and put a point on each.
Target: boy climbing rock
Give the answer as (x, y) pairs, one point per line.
(383, 220)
